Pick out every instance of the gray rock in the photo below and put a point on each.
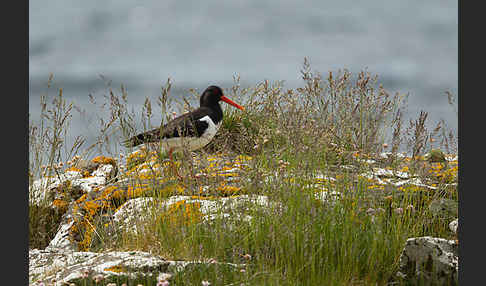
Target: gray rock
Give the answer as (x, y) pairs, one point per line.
(453, 225)
(429, 260)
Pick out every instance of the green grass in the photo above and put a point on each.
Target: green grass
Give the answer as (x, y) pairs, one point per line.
(298, 134)
(306, 243)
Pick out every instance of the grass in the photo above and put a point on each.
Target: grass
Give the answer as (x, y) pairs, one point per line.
(296, 134)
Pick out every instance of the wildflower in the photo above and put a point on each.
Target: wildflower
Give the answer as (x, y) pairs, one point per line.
(164, 276)
(199, 175)
(98, 278)
(242, 270)
(385, 145)
(205, 283)
(247, 256)
(283, 164)
(111, 284)
(85, 273)
(399, 210)
(410, 208)
(212, 260)
(370, 211)
(163, 283)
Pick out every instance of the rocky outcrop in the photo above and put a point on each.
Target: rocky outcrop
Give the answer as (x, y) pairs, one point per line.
(103, 195)
(84, 268)
(430, 261)
(74, 182)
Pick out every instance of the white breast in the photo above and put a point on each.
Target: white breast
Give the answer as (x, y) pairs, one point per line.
(193, 143)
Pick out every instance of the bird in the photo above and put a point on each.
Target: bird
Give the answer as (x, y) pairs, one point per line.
(192, 130)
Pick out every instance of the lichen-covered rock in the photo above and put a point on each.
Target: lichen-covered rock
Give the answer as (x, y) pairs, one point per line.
(144, 179)
(135, 213)
(44, 189)
(74, 182)
(62, 240)
(430, 261)
(118, 267)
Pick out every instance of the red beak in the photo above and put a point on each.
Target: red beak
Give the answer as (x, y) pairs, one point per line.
(227, 100)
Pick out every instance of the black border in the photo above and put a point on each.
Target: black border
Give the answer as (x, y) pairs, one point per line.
(15, 78)
(15, 151)
(470, 129)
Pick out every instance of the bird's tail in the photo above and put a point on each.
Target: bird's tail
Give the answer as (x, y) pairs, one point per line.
(131, 142)
(149, 136)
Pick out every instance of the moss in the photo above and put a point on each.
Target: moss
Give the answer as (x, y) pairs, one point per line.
(435, 155)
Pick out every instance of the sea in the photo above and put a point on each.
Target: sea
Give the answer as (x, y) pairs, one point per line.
(88, 47)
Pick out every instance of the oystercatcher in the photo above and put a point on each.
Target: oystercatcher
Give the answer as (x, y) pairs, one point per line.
(191, 130)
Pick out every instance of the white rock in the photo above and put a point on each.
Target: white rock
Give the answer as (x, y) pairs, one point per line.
(42, 190)
(88, 184)
(325, 178)
(61, 239)
(386, 155)
(134, 212)
(106, 170)
(451, 158)
(380, 172)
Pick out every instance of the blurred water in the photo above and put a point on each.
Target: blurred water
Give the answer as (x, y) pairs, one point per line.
(411, 45)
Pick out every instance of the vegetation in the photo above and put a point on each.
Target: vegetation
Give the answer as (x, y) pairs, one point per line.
(300, 136)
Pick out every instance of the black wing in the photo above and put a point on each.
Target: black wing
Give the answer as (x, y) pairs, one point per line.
(187, 125)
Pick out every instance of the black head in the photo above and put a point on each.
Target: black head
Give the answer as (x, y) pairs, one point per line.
(211, 96)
